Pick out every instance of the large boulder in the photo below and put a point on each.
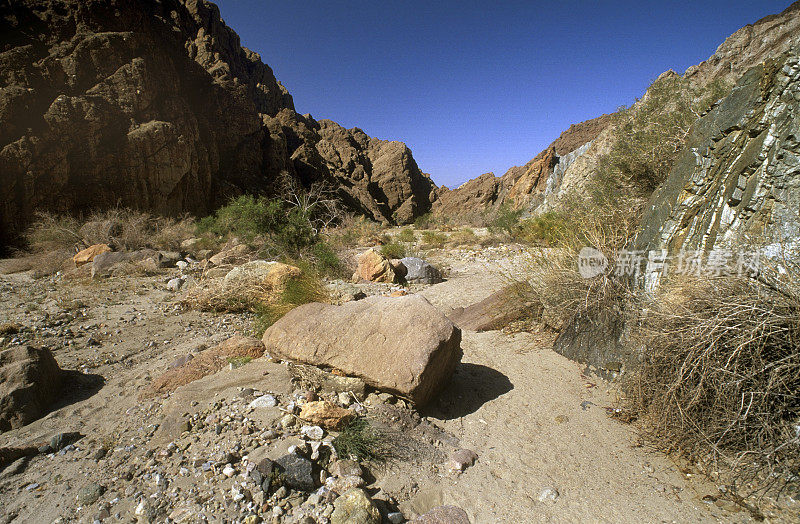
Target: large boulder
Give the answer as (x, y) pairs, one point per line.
(30, 381)
(273, 275)
(374, 267)
(402, 345)
(495, 311)
(420, 271)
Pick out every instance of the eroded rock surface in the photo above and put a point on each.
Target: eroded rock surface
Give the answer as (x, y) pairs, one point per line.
(30, 381)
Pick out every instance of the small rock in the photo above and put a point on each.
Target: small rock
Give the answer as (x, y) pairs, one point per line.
(343, 484)
(264, 401)
(312, 432)
(288, 421)
(548, 495)
(345, 468)
(228, 471)
(174, 284)
(326, 414)
(461, 460)
(396, 517)
(355, 507)
(297, 472)
(89, 494)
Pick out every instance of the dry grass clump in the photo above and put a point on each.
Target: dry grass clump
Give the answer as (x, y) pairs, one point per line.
(122, 229)
(553, 273)
(433, 238)
(354, 231)
(719, 379)
(463, 236)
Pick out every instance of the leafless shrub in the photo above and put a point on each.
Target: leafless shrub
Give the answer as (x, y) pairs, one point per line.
(719, 378)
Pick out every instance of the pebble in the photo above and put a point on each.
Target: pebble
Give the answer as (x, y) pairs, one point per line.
(228, 471)
(89, 494)
(265, 401)
(548, 495)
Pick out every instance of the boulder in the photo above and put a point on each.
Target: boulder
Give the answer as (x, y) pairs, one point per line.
(235, 254)
(443, 515)
(297, 472)
(355, 507)
(30, 381)
(495, 311)
(326, 414)
(104, 263)
(401, 345)
(374, 267)
(420, 272)
(207, 362)
(274, 275)
(87, 255)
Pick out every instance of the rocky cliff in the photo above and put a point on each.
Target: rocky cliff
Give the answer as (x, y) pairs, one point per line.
(156, 105)
(738, 179)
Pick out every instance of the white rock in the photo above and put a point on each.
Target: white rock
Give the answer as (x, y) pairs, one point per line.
(182, 264)
(312, 432)
(228, 470)
(175, 284)
(548, 495)
(264, 401)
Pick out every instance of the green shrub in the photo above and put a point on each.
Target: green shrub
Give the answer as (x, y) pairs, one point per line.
(362, 442)
(261, 220)
(325, 260)
(505, 220)
(407, 235)
(393, 250)
(432, 238)
(547, 229)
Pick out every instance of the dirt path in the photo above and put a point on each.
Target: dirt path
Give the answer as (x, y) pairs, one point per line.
(537, 422)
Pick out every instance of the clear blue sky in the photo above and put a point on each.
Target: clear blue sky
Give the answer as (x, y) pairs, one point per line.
(471, 86)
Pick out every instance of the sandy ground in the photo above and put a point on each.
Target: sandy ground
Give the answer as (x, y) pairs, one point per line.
(536, 421)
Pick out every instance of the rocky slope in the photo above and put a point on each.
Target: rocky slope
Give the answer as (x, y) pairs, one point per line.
(538, 184)
(520, 186)
(737, 179)
(156, 105)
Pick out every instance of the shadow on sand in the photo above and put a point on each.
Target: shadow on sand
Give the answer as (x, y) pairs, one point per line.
(77, 386)
(471, 387)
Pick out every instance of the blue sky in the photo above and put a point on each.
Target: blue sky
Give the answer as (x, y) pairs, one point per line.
(473, 87)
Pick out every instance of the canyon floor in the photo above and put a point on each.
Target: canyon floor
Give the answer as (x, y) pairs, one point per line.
(548, 451)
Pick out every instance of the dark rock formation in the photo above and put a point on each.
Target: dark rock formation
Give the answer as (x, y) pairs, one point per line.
(155, 105)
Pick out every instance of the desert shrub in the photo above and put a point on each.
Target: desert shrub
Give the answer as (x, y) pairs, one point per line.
(353, 231)
(393, 249)
(462, 236)
(649, 135)
(433, 221)
(719, 377)
(120, 228)
(52, 231)
(326, 261)
(505, 220)
(557, 286)
(407, 235)
(433, 238)
(362, 441)
(547, 229)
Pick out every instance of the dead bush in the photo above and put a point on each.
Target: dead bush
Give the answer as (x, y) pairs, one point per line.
(122, 229)
(464, 236)
(719, 378)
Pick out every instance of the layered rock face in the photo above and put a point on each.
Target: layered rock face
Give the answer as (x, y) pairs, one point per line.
(155, 105)
(738, 179)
